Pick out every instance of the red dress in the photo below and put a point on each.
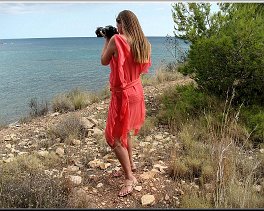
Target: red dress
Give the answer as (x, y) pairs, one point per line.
(127, 107)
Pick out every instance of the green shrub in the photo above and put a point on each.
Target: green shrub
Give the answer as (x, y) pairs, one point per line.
(233, 57)
(253, 117)
(183, 103)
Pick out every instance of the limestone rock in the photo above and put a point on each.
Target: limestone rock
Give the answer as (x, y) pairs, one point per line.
(8, 160)
(148, 139)
(104, 165)
(72, 168)
(158, 137)
(54, 114)
(147, 200)
(60, 151)
(148, 175)
(166, 197)
(77, 180)
(87, 123)
(94, 121)
(160, 167)
(96, 163)
(99, 185)
(9, 146)
(10, 137)
(138, 188)
(76, 142)
(43, 153)
(97, 131)
(22, 153)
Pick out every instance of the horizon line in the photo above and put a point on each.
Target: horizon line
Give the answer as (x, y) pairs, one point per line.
(68, 37)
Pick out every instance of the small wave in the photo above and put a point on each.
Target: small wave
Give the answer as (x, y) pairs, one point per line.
(45, 60)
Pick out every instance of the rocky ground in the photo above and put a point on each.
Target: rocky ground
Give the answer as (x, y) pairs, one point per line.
(89, 163)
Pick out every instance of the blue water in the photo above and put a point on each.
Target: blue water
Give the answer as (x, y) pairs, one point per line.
(44, 67)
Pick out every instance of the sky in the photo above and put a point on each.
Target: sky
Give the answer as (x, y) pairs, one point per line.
(45, 19)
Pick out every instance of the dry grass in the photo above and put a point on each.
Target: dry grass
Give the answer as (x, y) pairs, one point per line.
(161, 75)
(77, 99)
(67, 129)
(38, 108)
(215, 153)
(148, 126)
(24, 184)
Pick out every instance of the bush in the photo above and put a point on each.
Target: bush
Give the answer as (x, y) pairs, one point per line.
(62, 104)
(38, 109)
(232, 58)
(24, 184)
(74, 100)
(253, 118)
(69, 128)
(183, 103)
(79, 99)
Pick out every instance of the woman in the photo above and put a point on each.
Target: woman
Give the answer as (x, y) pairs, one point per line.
(128, 54)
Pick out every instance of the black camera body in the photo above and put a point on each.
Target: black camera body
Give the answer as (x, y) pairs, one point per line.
(109, 31)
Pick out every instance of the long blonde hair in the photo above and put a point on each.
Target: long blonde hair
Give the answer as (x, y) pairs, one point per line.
(139, 44)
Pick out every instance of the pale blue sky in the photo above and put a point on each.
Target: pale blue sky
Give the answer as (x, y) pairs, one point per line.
(79, 19)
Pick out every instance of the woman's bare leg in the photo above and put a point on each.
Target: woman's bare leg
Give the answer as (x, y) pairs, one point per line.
(130, 153)
(123, 157)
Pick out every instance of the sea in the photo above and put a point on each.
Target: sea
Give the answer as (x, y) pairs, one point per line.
(42, 68)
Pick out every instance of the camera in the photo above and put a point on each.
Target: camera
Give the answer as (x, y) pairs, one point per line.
(109, 31)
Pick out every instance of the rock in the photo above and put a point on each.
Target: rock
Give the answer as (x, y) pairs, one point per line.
(166, 197)
(75, 179)
(98, 163)
(104, 165)
(72, 168)
(22, 143)
(94, 121)
(99, 108)
(76, 142)
(257, 188)
(148, 175)
(54, 114)
(10, 137)
(143, 144)
(9, 146)
(261, 150)
(148, 139)
(8, 160)
(99, 185)
(160, 167)
(43, 153)
(11, 155)
(179, 192)
(158, 137)
(94, 163)
(87, 123)
(60, 151)
(147, 200)
(138, 188)
(97, 131)
(22, 153)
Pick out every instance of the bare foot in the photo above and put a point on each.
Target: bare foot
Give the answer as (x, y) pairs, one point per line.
(127, 187)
